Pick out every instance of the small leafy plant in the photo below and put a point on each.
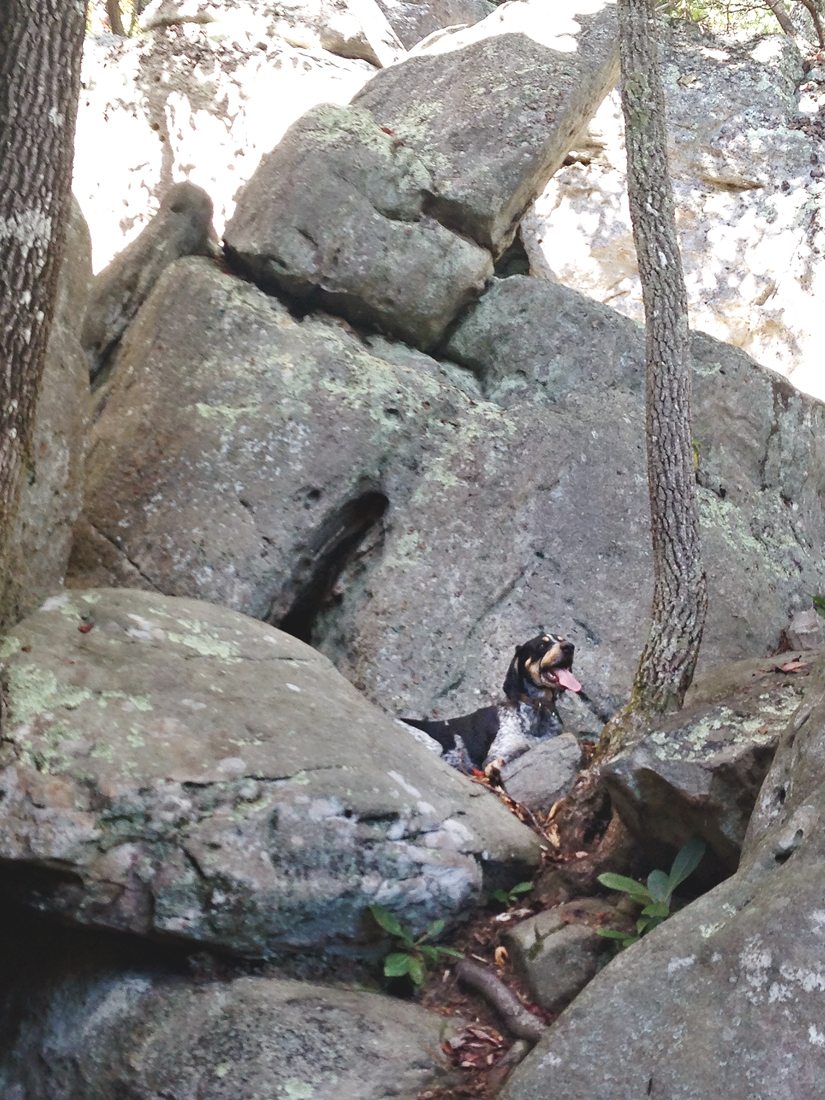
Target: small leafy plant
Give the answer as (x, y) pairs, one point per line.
(657, 896)
(819, 604)
(509, 898)
(411, 955)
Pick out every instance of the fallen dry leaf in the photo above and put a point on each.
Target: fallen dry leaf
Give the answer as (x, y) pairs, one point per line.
(501, 956)
(793, 666)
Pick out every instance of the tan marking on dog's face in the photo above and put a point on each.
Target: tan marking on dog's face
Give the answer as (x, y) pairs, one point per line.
(549, 660)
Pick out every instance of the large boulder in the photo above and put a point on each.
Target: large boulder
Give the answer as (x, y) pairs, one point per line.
(172, 768)
(387, 212)
(745, 144)
(415, 525)
(493, 111)
(725, 998)
(181, 227)
(698, 772)
(336, 211)
(413, 20)
(80, 1031)
(52, 496)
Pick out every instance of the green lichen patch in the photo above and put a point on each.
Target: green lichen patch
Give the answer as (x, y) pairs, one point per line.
(34, 690)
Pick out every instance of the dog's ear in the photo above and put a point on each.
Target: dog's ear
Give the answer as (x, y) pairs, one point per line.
(512, 681)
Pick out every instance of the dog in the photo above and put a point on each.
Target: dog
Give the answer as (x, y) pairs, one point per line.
(539, 672)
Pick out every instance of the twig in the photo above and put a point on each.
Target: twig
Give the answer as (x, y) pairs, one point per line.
(523, 1024)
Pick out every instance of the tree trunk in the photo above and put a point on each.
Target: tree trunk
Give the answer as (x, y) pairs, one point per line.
(41, 43)
(784, 20)
(115, 18)
(680, 594)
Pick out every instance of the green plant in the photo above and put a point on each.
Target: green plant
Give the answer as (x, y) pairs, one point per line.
(657, 896)
(508, 898)
(819, 604)
(411, 955)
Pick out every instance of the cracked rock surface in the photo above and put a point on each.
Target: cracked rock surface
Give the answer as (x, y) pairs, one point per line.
(80, 1024)
(181, 770)
(698, 772)
(414, 519)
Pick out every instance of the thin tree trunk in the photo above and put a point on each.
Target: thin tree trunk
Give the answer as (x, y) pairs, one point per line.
(115, 18)
(814, 14)
(784, 20)
(41, 43)
(680, 594)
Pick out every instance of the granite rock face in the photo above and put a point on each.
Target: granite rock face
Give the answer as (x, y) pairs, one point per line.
(172, 768)
(415, 523)
(387, 213)
(698, 772)
(181, 227)
(725, 997)
(493, 111)
(336, 212)
(556, 959)
(52, 496)
(413, 20)
(745, 149)
(545, 773)
(161, 1036)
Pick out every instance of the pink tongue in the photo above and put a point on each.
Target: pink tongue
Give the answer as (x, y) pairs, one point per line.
(567, 679)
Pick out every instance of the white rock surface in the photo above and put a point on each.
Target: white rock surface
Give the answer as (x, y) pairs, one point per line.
(196, 101)
(748, 187)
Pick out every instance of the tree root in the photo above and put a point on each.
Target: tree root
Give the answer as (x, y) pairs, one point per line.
(520, 1022)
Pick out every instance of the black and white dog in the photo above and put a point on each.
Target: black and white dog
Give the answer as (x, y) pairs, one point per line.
(538, 673)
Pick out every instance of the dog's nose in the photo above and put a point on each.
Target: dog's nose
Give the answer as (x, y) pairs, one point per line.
(568, 649)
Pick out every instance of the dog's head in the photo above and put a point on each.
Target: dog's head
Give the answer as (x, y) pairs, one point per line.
(540, 669)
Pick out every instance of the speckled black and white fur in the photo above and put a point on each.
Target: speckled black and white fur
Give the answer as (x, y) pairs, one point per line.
(525, 718)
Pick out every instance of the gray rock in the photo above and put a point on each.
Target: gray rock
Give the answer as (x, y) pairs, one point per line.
(337, 210)
(52, 496)
(805, 630)
(557, 960)
(181, 227)
(725, 997)
(698, 772)
(494, 115)
(244, 457)
(173, 768)
(544, 774)
(240, 1040)
(413, 20)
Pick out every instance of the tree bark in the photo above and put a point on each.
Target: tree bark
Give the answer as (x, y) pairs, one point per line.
(115, 18)
(41, 43)
(680, 593)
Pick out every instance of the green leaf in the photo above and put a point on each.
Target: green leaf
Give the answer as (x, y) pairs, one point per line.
(819, 604)
(613, 934)
(522, 888)
(397, 964)
(628, 885)
(500, 895)
(430, 952)
(450, 951)
(657, 909)
(388, 921)
(686, 862)
(659, 885)
(418, 972)
(436, 928)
